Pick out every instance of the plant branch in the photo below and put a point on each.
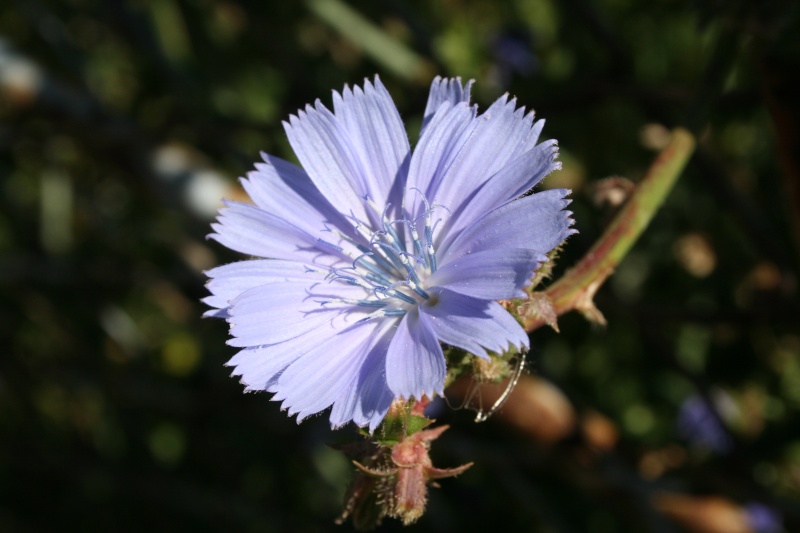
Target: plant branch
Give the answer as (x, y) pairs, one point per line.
(577, 287)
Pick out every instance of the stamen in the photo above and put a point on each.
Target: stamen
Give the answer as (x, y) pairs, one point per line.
(389, 265)
(379, 261)
(419, 290)
(417, 244)
(377, 272)
(429, 250)
(349, 301)
(390, 253)
(394, 293)
(330, 245)
(386, 264)
(383, 313)
(350, 280)
(390, 234)
(431, 257)
(378, 280)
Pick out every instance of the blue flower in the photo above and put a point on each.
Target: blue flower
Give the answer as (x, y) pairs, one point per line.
(377, 254)
(699, 424)
(762, 518)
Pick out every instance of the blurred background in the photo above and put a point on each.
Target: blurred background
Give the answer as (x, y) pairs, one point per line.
(123, 123)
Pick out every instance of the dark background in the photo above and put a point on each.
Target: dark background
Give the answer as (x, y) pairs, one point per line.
(123, 122)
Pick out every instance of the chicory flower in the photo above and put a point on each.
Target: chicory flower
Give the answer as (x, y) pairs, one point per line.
(370, 255)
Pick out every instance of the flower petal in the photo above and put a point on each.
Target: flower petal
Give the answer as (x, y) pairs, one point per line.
(276, 312)
(377, 136)
(326, 373)
(323, 148)
(445, 90)
(229, 281)
(358, 152)
(372, 397)
(537, 222)
(517, 177)
(439, 146)
(251, 230)
(260, 367)
(473, 324)
(415, 363)
(501, 134)
(489, 275)
(284, 190)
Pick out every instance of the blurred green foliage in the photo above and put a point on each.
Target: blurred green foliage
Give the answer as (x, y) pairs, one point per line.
(122, 124)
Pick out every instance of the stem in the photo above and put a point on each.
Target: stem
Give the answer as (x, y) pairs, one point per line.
(577, 287)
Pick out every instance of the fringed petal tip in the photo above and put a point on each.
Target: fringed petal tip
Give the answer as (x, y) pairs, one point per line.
(223, 313)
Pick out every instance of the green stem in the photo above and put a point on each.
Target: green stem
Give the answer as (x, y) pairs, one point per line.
(576, 289)
(393, 54)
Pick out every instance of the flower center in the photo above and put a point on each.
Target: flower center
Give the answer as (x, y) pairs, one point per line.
(393, 263)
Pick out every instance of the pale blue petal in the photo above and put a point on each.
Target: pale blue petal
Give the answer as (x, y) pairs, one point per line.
(323, 147)
(372, 397)
(229, 281)
(538, 222)
(358, 152)
(444, 90)
(439, 146)
(519, 176)
(473, 324)
(533, 136)
(251, 230)
(376, 397)
(501, 135)
(377, 136)
(489, 275)
(516, 178)
(415, 365)
(285, 191)
(276, 312)
(326, 373)
(260, 367)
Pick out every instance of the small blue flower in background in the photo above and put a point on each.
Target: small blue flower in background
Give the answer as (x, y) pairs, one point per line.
(513, 54)
(698, 424)
(763, 519)
(377, 254)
